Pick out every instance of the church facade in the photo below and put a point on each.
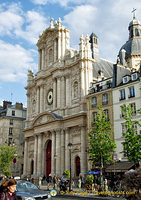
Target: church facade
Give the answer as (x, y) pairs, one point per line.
(56, 105)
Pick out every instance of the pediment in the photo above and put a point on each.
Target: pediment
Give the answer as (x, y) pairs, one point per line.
(43, 119)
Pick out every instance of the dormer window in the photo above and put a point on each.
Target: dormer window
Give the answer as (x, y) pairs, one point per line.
(134, 77)
(126, 79)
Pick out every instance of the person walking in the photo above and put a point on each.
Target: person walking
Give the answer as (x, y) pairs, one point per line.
(7, 190)
(49, 179)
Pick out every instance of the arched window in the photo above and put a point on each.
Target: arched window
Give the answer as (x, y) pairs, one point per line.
(136, 32)
(50, 55)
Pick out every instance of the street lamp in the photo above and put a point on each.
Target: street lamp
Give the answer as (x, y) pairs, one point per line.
(70, 148)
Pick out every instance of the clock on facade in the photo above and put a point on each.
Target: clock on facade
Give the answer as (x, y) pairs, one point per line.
(50, 97)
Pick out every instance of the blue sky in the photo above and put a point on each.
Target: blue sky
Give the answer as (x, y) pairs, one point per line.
(21, 22)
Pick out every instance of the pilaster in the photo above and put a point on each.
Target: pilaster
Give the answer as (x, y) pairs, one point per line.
(35, 154)
(58, 152)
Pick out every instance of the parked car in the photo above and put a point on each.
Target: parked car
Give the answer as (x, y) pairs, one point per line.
(28, 191)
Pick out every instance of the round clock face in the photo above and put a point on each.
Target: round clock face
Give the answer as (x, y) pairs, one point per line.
(50, 97)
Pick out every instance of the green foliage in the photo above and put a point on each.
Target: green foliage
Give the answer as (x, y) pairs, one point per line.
(67, 173)
(132, 142)
(6, 158)
(90, 179)
(101, 144)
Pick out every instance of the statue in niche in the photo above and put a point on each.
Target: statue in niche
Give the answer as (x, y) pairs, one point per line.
(33, 105)
(75, 89)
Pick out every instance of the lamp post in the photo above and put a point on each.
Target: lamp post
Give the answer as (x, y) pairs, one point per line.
(70, 148)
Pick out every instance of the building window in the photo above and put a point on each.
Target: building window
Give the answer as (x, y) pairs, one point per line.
(107, 114)
(121, 115)
(131, 92)
(10, 131)
(126, 79)
(105, 99)
(9, 141)
(94, 114)
(11, 121)
(13, 112)
(123, 128)
(134, 76)
(94, 102)
(122, 94)
(133, 107)
(135, 127)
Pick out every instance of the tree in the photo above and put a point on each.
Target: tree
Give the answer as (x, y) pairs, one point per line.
(7, 154)
(101, 145)
(132, 142)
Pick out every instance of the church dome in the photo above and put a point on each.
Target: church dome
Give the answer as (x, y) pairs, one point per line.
(133, 45)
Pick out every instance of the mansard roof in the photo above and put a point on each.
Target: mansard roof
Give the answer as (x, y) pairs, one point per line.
(105, 66)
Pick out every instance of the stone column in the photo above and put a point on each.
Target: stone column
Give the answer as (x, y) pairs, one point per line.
(82, 81)
(83, 149)
(58, 152)
(38, 100)
(63, 43)
(62, 92)
(41, 99)
(35, 154)
(54, 93)
(67, 91)
(43, 58)
(66, 149)
(58, 92)
(39, 161)
(53, 154)
(59, 46)
(25, 156)
(28, 106)
(62, 151)
(39, 60)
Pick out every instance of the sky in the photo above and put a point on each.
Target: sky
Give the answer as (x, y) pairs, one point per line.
(22, 21)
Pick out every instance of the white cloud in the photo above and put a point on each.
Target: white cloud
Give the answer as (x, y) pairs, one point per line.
(14, 62)
(35, 23)
(80, 20)
(65, 3)
(11, 18)
(27, 26)
(40, 2)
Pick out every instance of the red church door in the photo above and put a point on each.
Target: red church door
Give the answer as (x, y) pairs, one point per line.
(77, 165)
(48, 158)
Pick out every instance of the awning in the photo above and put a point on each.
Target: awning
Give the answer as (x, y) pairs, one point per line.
(119, 167)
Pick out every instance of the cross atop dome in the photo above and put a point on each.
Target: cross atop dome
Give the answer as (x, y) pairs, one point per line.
(133, 11)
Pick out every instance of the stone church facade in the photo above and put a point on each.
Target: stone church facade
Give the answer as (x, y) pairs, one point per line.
(56, 105)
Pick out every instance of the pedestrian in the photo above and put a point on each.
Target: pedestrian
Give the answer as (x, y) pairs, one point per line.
(7, 190)
(79, 183)
(49, 179)
(55, 182)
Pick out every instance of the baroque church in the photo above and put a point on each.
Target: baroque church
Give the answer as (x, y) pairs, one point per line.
(57, 98)
(56, 103)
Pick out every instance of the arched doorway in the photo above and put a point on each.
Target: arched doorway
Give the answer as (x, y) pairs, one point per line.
(32, 166)
(48, 158)
(77, 165)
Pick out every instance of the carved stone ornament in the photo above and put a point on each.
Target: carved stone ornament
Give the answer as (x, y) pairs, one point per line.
(43, 119)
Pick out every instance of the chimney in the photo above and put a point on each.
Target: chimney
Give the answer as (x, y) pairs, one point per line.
(6, 103)
(19, 105)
